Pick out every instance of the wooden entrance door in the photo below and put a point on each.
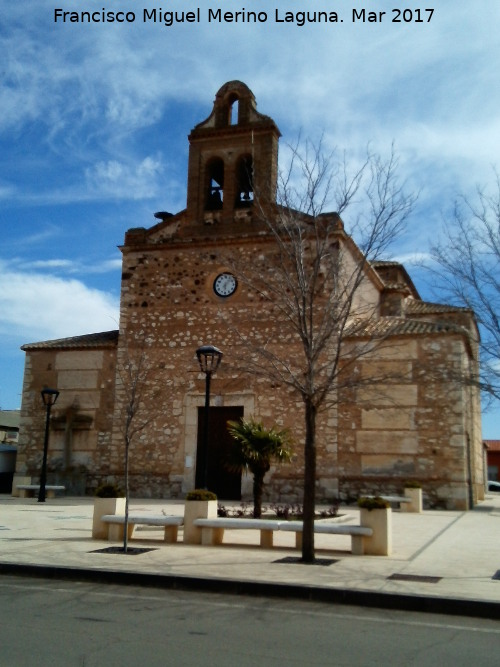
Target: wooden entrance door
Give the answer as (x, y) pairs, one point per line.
(227, 485)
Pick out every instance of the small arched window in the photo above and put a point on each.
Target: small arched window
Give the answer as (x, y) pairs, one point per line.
(233, 110)
(215, 185)
(244, 181)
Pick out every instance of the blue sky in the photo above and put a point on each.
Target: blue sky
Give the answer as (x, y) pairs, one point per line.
(94, 121)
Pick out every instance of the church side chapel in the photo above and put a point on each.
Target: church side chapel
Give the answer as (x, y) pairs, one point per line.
(181, 289)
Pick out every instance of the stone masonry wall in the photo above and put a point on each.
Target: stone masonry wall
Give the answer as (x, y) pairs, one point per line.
(416, 423)
(410, 426)
(80, 419)
(167, 292)
(413, 427)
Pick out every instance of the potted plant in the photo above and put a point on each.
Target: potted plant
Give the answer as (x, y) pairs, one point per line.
(376, 514)
(413, 491)
(200, 504)
(108, 499)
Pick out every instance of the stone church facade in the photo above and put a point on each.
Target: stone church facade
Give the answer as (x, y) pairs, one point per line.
(180, 291)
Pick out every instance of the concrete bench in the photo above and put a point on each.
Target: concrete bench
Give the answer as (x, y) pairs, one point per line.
(410, 503)
(212, 531)
(357, 533)
(29, 490)
(396, 499)
(116, 525)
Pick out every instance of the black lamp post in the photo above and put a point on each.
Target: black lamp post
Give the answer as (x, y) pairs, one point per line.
(49, 397)
(209, 358)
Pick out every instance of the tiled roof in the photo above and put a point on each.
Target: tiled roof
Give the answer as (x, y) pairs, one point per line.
(414, 307)
(398, 286)
(405, 284)
(385, 262)
(492, 445)
(95, 340)
(399, 326)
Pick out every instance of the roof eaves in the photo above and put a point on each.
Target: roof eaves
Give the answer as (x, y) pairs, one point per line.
(392, 326)
(87, 341)
(415, 307)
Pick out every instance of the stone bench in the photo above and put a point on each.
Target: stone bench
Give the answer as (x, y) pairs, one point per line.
(212, 531)
(408, 503)
(357, 533)
(29, 490)
(117, 521)
(396, 499)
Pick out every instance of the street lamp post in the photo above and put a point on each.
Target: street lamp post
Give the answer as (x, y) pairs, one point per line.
(49, 397)
(209, 358)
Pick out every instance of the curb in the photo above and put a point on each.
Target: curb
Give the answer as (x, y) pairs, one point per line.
(374, 599)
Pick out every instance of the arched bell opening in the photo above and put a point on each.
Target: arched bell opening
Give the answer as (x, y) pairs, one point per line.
(214, 185)
(244, 182)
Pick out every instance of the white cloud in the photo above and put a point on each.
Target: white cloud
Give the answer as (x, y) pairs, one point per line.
(61, 266)
(105, 266)
(65, 264)
(117, 179)
(106, 180)
(39, 307)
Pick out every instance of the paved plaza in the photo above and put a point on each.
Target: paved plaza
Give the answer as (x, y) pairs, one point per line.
(441, 560)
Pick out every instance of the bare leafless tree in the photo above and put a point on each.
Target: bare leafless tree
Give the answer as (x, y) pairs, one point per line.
(467, 260)
(141, 389)
(312, 278)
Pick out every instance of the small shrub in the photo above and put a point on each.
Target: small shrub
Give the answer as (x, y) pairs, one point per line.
(288, 511)
(201, 494)
(242, 511)
(239, 513)
(222, 510)
(373, 503)
(332, 511)
(109, 491)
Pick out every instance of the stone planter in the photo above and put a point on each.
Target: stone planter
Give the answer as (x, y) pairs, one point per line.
(104, 506)
(197, 509)
(415, 496)
(19, 479)
(380, 521)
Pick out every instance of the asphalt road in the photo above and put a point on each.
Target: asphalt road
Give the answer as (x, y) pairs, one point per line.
(73, 624)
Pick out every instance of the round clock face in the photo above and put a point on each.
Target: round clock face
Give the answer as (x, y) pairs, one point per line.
(225, 284)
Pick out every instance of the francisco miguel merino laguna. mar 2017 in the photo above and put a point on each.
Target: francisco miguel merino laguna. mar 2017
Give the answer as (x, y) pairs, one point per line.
(217, 15)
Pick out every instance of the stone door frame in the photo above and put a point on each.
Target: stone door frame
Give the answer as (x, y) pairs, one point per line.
(192, 402)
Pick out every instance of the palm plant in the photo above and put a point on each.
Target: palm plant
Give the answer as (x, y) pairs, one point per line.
(255, 446)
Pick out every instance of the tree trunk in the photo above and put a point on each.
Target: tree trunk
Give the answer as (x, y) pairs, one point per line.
(125, 524)
(309, 483)
(258, 486)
